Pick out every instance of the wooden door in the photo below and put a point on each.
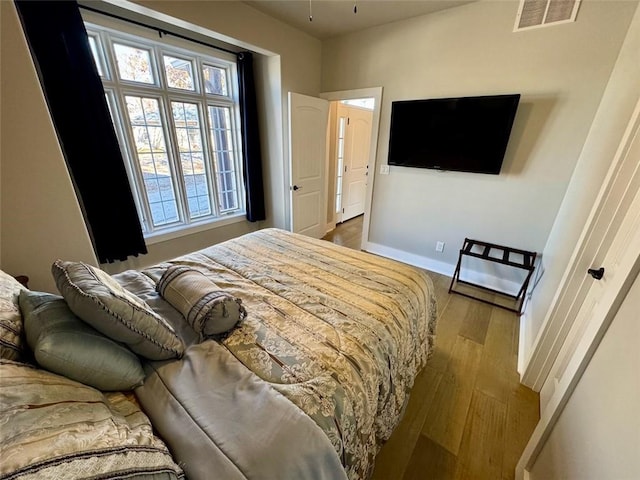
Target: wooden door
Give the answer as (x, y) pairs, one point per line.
(308, 119)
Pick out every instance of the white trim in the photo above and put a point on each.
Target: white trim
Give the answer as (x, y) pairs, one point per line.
(410, 258)
(490, 281)
(330, 227)
(581, 329)
(523, 333)
(164, 235)
(327, 159)
(526, 326)
(574, 14)
(587, 345)
(574, 284)
(376, 94)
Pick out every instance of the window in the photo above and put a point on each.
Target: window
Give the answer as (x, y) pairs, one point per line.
(175, 111)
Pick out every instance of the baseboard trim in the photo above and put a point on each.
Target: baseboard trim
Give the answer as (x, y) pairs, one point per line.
(329, 227)
(523, 335)
(443, 268)
(411, 258)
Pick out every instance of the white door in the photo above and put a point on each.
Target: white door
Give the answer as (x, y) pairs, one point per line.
(356, 159)
(615, 233)
(308, 119)
(597, 435)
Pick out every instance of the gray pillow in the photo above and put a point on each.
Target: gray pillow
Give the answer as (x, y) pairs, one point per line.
(64, 344)
(95, 297)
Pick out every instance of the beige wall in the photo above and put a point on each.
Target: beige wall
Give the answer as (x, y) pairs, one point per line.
(40, 216)
(41, 220)
(561, 72)
(597, 435)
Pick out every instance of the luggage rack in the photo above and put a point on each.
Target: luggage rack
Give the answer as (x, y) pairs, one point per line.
(527, 261)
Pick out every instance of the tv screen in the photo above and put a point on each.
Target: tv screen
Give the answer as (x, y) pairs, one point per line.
(466, 134)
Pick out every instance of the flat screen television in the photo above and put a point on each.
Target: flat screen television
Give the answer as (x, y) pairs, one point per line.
(466, 134)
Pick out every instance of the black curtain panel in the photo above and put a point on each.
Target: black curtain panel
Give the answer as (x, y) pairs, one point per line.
(252, 157)
(73, 90)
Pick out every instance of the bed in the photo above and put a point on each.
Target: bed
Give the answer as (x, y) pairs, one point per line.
(313, 379)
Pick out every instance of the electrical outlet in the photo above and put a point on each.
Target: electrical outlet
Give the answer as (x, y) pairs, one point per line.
(439, 246)
(384, 169)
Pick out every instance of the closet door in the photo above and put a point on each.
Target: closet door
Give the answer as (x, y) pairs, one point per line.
(605, 265)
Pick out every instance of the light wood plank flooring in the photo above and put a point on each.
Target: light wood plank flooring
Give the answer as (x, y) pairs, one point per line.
(468, 416)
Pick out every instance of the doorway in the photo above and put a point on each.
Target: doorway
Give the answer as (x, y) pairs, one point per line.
(350, 123)
(302, 139)
(368, 100)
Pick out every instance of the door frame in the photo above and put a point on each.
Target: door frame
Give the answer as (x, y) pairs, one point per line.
(574, 286)
(376, 94)
(575, 345)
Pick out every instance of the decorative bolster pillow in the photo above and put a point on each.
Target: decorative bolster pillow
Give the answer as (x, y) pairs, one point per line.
(210, 311)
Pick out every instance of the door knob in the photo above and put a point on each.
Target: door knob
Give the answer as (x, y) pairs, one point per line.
(296, 187)
(597, 274)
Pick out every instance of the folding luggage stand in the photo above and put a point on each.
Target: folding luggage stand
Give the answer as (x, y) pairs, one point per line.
(527, 263)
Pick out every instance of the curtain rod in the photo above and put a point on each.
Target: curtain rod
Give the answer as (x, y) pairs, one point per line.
(159, 30)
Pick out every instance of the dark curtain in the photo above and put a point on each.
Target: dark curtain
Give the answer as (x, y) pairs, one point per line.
(75, 96)
(252, 158)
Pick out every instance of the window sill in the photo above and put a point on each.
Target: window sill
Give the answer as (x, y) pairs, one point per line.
(178, 232)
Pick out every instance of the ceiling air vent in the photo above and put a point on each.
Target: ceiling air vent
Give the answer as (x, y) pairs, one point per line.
(542, 13)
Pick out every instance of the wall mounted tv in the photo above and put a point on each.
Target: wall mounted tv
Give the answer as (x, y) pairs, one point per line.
(466, 134)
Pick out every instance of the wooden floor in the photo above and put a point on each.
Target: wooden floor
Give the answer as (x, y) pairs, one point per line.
(348, 233)
(468, 416)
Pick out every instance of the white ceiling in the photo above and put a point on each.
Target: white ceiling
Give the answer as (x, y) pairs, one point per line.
(336, 17)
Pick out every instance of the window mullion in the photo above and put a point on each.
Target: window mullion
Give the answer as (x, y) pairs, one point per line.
(207, 158)
(175, 160)
(131, 166)
(206, 141)
(211, 165)
(134, 158)
(173, 149)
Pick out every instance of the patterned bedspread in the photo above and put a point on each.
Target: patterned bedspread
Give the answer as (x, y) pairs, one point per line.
(341, 333)
(54, 428)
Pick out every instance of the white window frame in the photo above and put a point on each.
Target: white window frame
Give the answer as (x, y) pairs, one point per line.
(107, 31)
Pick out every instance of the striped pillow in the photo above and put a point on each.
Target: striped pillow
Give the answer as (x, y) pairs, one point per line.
(210, 311)
(11, 325)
